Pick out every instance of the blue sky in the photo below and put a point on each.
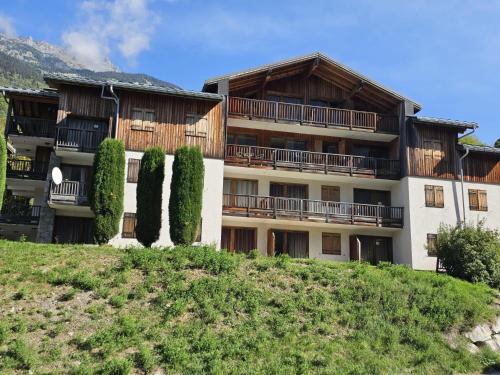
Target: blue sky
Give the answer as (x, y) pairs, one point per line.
(443, 54)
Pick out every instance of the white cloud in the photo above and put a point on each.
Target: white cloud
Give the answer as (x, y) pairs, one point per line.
(7, 25)
(105, 26)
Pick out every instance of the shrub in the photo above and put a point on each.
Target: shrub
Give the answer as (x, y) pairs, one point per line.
(186, 194)
(148, 195)
(470, 252)
(106, 195)
(3, 167)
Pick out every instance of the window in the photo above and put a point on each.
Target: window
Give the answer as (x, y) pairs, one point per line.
(129, 222)
(133, 170)
(330, 193)
(431, 244)
(197, 125)
(242, 139)
(478, 200)
(331, 244)
(434, 196)
(143, 119)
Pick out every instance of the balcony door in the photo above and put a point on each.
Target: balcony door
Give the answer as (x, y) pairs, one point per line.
(371, 249)
(240, 240)
(377, 197)
(293, 191)
(291, 243)
(239, 193)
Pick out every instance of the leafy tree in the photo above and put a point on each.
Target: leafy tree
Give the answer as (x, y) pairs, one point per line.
(470, 252)
(471, 140)
(186, 194)
(148, 194)
(106, 194)
(3, 167)
(497, 143)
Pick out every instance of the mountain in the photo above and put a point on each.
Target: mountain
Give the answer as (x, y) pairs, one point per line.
(23, 62)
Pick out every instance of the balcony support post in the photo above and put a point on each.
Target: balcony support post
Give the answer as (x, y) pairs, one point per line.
(276, 112)
(273, 200)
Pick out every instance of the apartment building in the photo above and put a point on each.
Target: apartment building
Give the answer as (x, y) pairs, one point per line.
(303, 157)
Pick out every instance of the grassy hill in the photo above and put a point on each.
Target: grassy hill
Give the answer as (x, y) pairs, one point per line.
(84, 310)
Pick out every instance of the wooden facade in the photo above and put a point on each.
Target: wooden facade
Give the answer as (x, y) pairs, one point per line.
(169, 127)
(433, 152)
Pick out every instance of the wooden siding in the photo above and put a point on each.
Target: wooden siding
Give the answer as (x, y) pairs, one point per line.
(169, 130)
(481, 167)
(423, 160)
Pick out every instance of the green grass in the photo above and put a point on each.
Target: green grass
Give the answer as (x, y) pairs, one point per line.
(86, 310)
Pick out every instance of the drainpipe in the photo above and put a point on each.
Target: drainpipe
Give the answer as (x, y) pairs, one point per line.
(116, 99)
(460, 160)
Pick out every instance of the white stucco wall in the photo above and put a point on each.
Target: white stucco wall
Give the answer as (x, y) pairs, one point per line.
(423, 220)
(212, 202)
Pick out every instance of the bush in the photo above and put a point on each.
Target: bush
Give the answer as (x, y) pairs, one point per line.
(3, 167)
(186, 195)
(470, 252)
(106, 195)
(149, 194)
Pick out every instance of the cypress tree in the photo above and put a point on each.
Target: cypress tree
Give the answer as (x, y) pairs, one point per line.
(186, 195)
(3, 167)
(149, 196)
(106, 194)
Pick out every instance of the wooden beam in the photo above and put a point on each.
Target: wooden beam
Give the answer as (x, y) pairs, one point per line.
(312, 68)
(357, 88)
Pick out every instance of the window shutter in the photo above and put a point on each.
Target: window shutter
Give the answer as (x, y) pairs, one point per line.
(331, 243)
(473, 200)
(429, 196)
(330, 193)
(482, 200)
(148, 120)
(196, 125)
(133, 170)
(129, 223)
(439, 196)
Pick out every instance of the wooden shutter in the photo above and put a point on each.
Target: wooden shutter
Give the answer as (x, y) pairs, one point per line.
(331, 243)
(354, 249)
(473, 200)
(133, 170)
(330, 193)
(129, 223)
(439, 196)
(483, 201)
(196, 125)
(148, 120)
(429, 196)
(270, 243)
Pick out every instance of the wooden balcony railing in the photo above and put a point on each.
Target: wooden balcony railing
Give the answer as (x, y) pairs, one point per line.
(312, 210)
(32, 127)
(27, 169)
(254, 156)
(311, 115)
(79, 139)
(29, 215)
(70, 192)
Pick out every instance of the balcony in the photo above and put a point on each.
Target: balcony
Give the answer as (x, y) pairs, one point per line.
(82, 140)
(27, 169)
(312, 210)
(74, 193)
(323, 117)
(305, 161)
(32, 127)
(23, 215)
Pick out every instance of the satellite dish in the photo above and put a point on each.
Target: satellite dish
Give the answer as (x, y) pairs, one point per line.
(56, 175)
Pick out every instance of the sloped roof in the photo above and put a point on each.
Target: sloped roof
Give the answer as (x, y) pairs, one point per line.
(462, 125)
(54, 78)
(30, 92)
(486, 149)
(358, 77)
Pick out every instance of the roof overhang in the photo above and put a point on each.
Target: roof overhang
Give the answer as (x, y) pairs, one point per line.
(321, 66)
(49, 95)
(460, 126)
(57, 79)
(482, 149)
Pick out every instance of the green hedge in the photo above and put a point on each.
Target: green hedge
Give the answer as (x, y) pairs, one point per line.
(186, 194)
(106, 195)
(149, 194)
(3, 167)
